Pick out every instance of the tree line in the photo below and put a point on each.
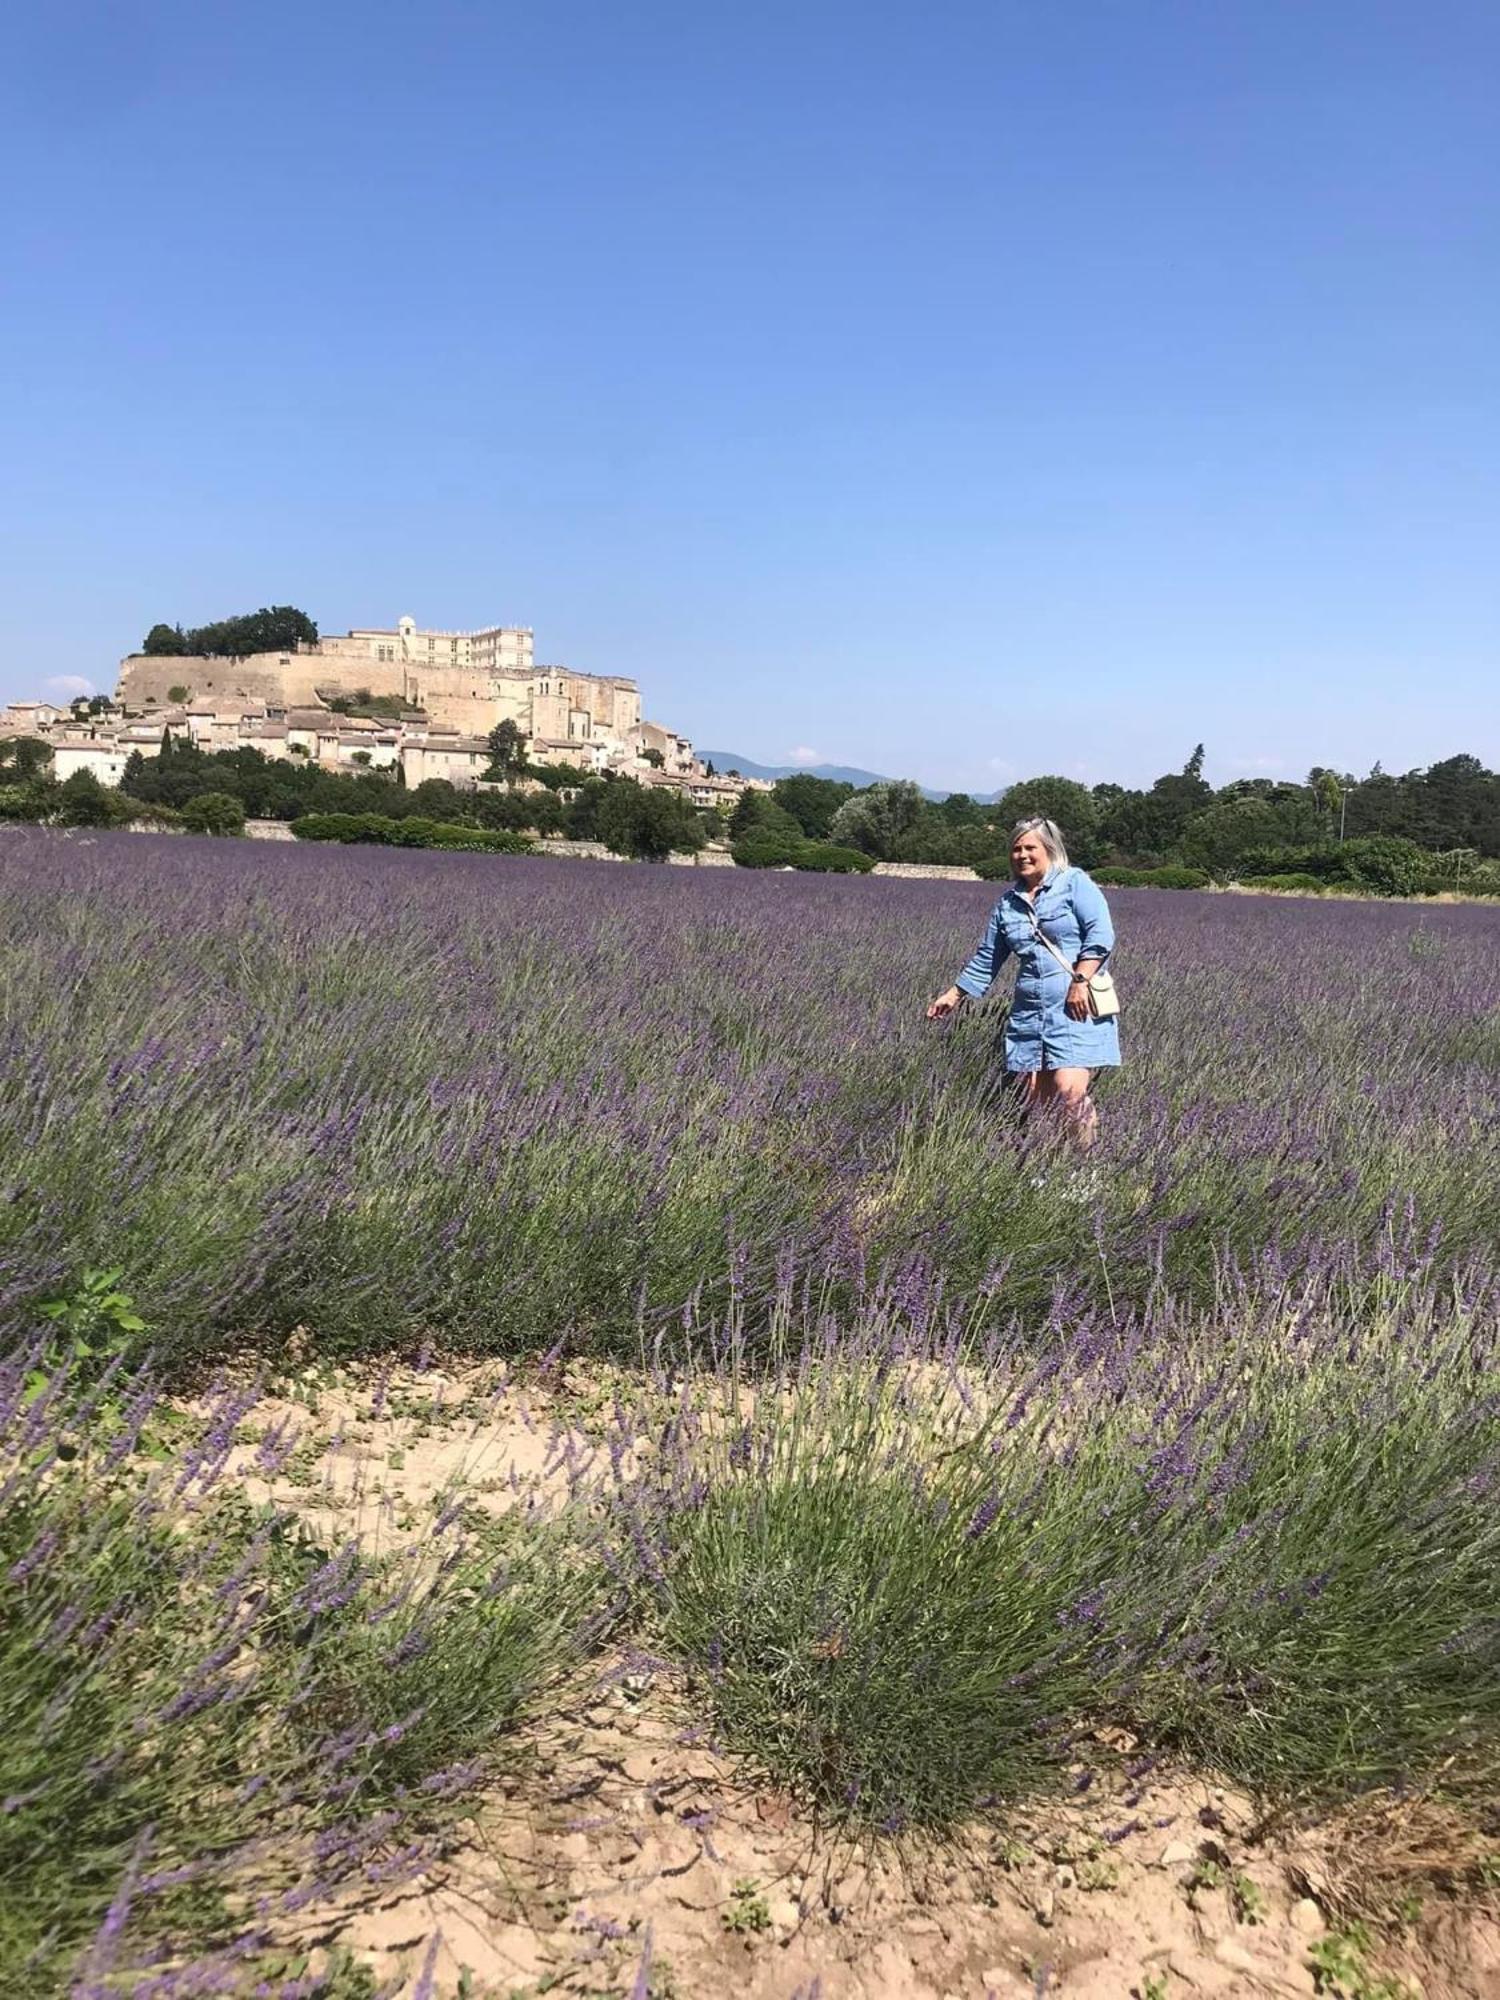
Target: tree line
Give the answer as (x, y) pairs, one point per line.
(218, 791)
(1433, 828)
(1432, 825)
(275, 628)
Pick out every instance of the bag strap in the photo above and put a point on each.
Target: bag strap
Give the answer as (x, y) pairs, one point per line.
(1042, 938)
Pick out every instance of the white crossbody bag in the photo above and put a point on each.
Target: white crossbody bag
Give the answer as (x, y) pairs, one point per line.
(1103, 999)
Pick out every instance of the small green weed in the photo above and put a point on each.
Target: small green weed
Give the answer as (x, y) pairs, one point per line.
(747, 1912)
(1340, 1966)
(1248, 1898)
(97, 1323)
(1096, 1875)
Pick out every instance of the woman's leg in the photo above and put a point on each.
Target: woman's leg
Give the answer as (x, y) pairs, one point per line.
(1023, 1084)
(1067, 1090)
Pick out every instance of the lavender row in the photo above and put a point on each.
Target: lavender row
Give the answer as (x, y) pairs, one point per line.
(388, 1097)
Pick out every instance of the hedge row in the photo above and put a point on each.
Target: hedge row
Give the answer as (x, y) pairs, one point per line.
(1152, 878)
(372, 828)
(772, 850)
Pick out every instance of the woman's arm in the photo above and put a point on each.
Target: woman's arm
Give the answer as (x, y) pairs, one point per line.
(979, 974)
(1096, 933)
(1096, 940)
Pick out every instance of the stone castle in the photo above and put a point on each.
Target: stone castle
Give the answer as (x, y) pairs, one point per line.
(441, 693)
(464, 681)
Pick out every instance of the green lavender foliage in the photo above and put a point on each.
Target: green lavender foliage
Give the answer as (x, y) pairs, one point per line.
(383, 1095)
(197, 1699)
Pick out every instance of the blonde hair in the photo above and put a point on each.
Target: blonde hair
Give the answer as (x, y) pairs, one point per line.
(1050, 834)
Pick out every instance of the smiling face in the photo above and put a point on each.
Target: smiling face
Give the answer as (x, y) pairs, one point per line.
(1028, 857)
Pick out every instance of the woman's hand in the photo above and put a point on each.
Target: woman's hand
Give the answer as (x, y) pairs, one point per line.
(1076, 1006)
(945, 1004)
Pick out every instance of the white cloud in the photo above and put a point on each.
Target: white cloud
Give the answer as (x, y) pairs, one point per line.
(1258, 764)
(69, 686)
(803, 755)
(1002, 767)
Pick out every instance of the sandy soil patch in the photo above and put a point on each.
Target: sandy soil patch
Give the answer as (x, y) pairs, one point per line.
(634, 1850)
(631, 1856)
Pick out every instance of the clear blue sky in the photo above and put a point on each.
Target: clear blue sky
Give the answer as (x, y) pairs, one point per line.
(1101, 374)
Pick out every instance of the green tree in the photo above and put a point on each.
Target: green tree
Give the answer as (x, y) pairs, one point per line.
(83, 801)
(1328, 795)
(536, 811)
(874, 820)
(435, 798)
(933, 840)
(23, 758)
(1148, 825)
(214, 812)
(762, 813)
(30, 803)
(179, 692)
(1221, 837)
(1071, 805)
(1385, 863)
(959, 809)
(647, 823)
(583, 809)
(275, 628)
(508, 752)
(812, 802)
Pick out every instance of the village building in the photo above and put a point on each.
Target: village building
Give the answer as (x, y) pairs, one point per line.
(432, 697)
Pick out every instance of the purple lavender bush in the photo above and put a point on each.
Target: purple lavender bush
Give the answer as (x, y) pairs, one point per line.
(910, 1578)
(388, 1096)
(213, 1726)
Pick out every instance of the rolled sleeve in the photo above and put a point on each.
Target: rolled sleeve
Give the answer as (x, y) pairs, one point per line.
(978, 975)
(1096, 932)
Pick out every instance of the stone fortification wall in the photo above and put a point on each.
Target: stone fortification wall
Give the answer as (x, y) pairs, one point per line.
(469, 698)
(560, 699)
(280, 680)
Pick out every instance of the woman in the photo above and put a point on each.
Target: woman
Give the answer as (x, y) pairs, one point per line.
(1053, 1044)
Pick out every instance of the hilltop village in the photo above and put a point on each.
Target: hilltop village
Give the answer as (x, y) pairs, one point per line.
(374, 699)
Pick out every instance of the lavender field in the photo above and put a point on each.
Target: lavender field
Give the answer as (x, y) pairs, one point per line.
(494, 1105)
(934, 1461)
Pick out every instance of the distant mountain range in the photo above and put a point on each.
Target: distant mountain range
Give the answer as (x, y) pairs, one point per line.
(841, 774)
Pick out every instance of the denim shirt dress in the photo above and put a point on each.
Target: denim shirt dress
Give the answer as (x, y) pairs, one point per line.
(1040, 1034)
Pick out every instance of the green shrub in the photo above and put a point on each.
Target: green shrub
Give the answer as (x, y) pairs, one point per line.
(145, 812)
(1305, 885)
(1382, 863)
(876, 1630)
(30, 802)
(213, 812)
(777, 850)
(818, 859)
(1171, 877)
(375, 829)
(82, 801)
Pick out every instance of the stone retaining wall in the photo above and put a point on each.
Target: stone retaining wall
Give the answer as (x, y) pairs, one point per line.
(927, 871)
